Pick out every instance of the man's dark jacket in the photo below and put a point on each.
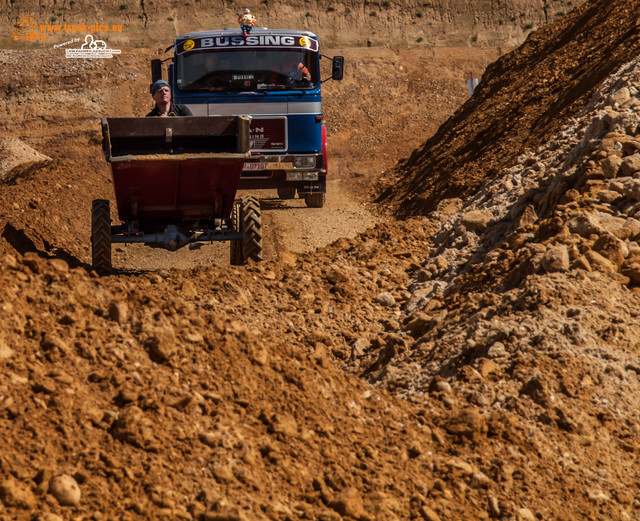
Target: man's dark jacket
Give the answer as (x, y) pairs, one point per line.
(174, 110)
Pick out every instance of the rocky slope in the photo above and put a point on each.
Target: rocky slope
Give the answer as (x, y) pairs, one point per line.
(339, 24)
(524, 97)
(476, 362)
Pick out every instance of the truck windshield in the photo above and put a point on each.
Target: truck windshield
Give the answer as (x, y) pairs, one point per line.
(247, 70)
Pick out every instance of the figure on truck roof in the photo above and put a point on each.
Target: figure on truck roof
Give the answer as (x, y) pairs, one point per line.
(246, 21)
(161, 93)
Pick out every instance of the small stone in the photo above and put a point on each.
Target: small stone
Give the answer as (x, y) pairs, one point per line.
(65, 489)
(599, 262)
(631, 188)
(194, 337)
(52, 342)
(10, 262)
(385, 299)
(336, 275)
(443, 386)
(227, 515)
(59, 265)
(161, 345)
(476, 220)
(556, 258)
(359, 347)
(424, 275)
(467, 422)
(428, 514)
(441, 263)
(488, 367)
(611, 248)
(524, 514)
(16, 494)
(585, 225)
(480, 480)
(48, 516)
(619, 97)
(349, 503)
(630, 165)
(581, 263)
(209, 438)
(223, 474)
(494, 506)
(528, 217)
(126, 395)
(284, 424)
(259, 354)
(607, 196)
(132, 426)
(17, 159)
(610, 166)
(118, 312)
(288, 258)
(632, 270)
(497, 350)
(5, 351)
(597, 496)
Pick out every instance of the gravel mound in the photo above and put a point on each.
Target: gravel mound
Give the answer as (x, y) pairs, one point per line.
(523, 98)
(475, 362)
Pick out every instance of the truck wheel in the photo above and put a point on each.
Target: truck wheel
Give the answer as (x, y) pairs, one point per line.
(315, 200)
(101, 236)
(252, 229)
(235, 247)
(287, 192)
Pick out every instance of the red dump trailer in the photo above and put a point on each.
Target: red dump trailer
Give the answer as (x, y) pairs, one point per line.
(175, 182)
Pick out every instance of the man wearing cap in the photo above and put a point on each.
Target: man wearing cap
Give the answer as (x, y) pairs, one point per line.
(161, 92)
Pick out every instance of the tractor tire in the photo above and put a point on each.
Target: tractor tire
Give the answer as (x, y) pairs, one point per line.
(315, 200)
(252, 229)
(235, 247)
(101, 236)
(287, 192)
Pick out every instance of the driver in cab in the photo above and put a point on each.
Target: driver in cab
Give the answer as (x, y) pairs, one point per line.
(297, 71)
(161, 93)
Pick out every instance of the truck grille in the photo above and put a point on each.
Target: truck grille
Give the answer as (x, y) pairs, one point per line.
(268, 134)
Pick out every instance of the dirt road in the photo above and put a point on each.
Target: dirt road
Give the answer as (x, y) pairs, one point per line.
(288, 226)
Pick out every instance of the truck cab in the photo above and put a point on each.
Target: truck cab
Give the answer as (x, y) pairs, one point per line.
(274, 77)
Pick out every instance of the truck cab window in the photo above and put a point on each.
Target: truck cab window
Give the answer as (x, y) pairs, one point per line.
(246, 70)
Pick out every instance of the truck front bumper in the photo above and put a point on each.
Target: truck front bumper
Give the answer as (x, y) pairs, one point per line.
(304, 172)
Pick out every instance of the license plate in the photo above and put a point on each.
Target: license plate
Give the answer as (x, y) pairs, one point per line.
(254, 166)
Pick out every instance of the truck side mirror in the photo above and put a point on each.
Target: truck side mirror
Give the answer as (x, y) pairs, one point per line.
(156, 70)
(337, 70)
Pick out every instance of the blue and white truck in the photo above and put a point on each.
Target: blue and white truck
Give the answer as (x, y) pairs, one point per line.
(273, 76)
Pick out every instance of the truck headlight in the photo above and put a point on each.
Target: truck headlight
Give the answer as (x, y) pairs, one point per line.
(304, 162)
(294, 176)
(309, 176)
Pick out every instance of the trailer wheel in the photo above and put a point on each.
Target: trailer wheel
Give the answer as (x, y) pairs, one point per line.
(252, 229)
(235, 247)
(101, 236)
(287, 192)
(315, 200)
